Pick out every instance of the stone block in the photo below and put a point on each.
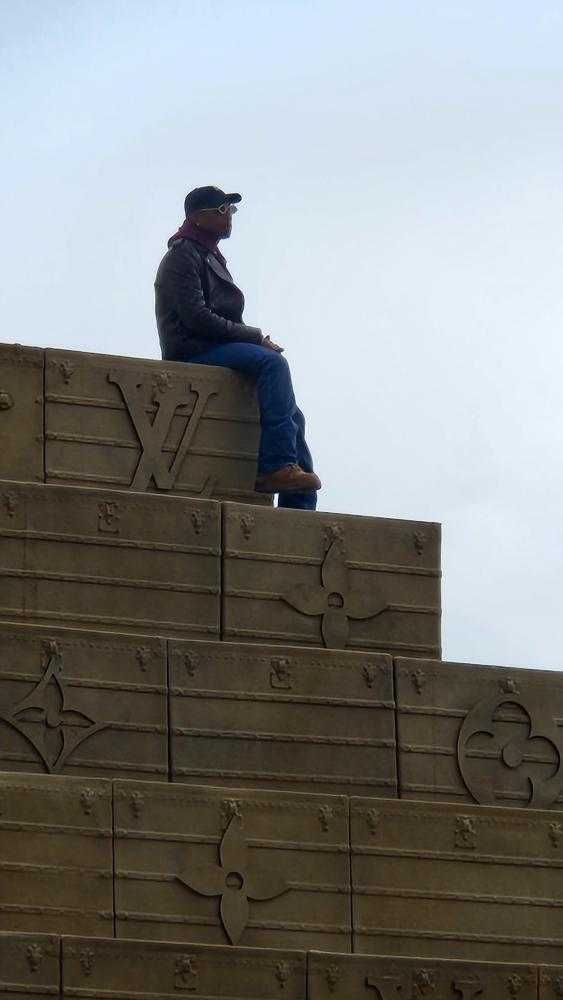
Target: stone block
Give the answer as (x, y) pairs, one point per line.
(21, 413)
(480, 734)
(110, 560)
(306, 720)
(55, 855)
(151, 969)
(345, 977)
(88, 703)
(128, 423)
(219, 866)
(551, 982)
(433, 880)
(333, 580)
(29, 965)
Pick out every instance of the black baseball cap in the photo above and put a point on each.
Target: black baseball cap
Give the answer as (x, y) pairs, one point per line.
(208, 197)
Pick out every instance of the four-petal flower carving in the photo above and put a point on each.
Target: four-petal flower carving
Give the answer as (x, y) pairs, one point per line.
(486, 740)
(235, 880)
(337, 600)
(44, 718)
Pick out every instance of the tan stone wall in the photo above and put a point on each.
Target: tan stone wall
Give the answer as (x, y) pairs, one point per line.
(37, 966)
(268, 869)
(127, 423)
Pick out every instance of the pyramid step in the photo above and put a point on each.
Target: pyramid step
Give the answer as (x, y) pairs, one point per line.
(231, 866)
(127, 562)
(83, 703)
(156, 969)
(56, 862)
(475, 733)
(285, 718)
(224, 866)
(147, 564)
(277, 717)
(35, 965)
(344, 977)
(436, 880)
(127, 423)
(96, 704)
(339, 580)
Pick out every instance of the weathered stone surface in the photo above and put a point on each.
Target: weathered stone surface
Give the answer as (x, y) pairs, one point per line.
(55, 854)
(346, 977)
(110, 560)
(551, 982)
(29, 965)
(220, 866)
(438, 881)
(297, 719)
(155, 969)
(128, 423)
(78, 702)
(21, 415)
(484, 734)
(331, 579)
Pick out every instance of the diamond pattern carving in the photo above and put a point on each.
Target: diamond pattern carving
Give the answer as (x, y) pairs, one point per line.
(46, 720)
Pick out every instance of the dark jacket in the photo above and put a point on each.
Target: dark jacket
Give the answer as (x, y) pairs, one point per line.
(198, 305)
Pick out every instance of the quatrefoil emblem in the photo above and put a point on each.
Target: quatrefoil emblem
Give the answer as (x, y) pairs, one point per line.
(488, 745)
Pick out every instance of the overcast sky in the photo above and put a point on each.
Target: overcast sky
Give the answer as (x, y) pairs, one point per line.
(401, 165)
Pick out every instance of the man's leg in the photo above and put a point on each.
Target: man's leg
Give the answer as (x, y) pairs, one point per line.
(278, 440)
(298, 500)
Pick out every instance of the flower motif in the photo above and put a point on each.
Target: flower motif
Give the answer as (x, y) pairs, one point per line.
(336, 599)
(62, 729)
(485, 738)
(235, 880)
(424, 983)
(34, 955)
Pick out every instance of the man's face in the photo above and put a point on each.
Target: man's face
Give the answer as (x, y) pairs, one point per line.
(218, 223)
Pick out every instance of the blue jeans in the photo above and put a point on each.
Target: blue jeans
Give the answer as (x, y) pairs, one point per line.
(282, 441)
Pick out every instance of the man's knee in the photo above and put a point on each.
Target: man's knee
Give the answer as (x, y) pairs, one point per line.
(275, 362)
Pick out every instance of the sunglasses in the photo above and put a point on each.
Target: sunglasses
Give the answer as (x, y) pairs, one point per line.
(226, 209)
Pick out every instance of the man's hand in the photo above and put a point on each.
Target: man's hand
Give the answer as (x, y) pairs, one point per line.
(267, 342)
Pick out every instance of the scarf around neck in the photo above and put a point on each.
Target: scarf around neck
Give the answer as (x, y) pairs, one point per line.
(189, 231)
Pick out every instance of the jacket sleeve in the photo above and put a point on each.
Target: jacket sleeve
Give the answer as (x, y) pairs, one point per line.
(184, 285)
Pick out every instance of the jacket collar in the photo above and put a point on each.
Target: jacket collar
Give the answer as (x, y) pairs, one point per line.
(219, 268)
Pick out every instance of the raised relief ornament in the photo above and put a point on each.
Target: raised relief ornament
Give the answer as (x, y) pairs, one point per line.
(336, 600)
(166, 397)
(236, 880)
(46, 719)
(535, 741)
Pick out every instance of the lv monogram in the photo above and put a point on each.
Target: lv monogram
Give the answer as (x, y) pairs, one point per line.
(168, 397)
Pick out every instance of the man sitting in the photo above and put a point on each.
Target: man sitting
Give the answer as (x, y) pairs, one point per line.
(199, 317)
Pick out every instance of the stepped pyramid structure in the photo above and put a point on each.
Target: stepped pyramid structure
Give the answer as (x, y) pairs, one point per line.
(233, 763)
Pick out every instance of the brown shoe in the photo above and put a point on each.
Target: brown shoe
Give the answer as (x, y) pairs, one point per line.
(289, 479)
